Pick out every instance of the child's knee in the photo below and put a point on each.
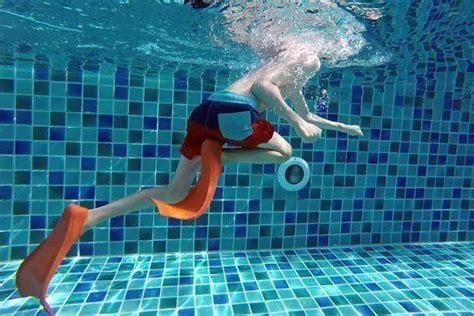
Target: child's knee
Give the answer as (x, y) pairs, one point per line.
(287, 151)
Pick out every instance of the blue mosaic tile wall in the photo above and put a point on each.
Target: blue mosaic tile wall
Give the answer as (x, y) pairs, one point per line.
(96, 134)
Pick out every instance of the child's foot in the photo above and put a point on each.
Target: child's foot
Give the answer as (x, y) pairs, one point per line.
(37, 270)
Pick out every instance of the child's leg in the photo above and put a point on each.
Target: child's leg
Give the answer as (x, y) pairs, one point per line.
(174, 192)
(276, 150)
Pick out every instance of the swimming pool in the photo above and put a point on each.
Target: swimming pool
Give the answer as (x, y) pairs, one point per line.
(94, 98)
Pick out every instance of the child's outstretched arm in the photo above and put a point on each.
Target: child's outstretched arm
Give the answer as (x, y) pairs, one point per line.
(301, 107)
(270, 94)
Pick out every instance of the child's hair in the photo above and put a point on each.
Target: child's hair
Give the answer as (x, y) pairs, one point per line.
(199, 4)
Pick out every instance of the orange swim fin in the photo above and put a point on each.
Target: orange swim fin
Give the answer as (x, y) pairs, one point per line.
(37, 270)
(198, 200)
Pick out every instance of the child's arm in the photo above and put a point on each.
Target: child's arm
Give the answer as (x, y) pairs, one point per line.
(301, 107)
(270, 94)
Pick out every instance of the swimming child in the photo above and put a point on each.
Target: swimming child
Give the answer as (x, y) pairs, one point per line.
(227, 116)
(230, 116)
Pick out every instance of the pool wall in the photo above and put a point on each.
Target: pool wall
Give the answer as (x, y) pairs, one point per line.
(96, 135)
(88, 133)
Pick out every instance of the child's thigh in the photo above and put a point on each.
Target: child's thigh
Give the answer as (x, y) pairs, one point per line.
(278, 143)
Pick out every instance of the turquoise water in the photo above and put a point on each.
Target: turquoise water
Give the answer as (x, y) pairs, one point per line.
(94, 98)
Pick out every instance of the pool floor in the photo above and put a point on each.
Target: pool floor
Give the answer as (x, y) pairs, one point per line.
(375, 280)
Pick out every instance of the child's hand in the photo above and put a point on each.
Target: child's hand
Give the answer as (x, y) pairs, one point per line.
(308, 132)
(353, 130)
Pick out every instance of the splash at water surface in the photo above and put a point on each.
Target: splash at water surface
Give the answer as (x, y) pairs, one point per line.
(143, 34)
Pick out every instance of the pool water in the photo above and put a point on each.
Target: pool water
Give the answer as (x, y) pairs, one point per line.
(94, 98)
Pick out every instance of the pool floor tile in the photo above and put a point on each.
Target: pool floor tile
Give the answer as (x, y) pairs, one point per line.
(422, 279)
